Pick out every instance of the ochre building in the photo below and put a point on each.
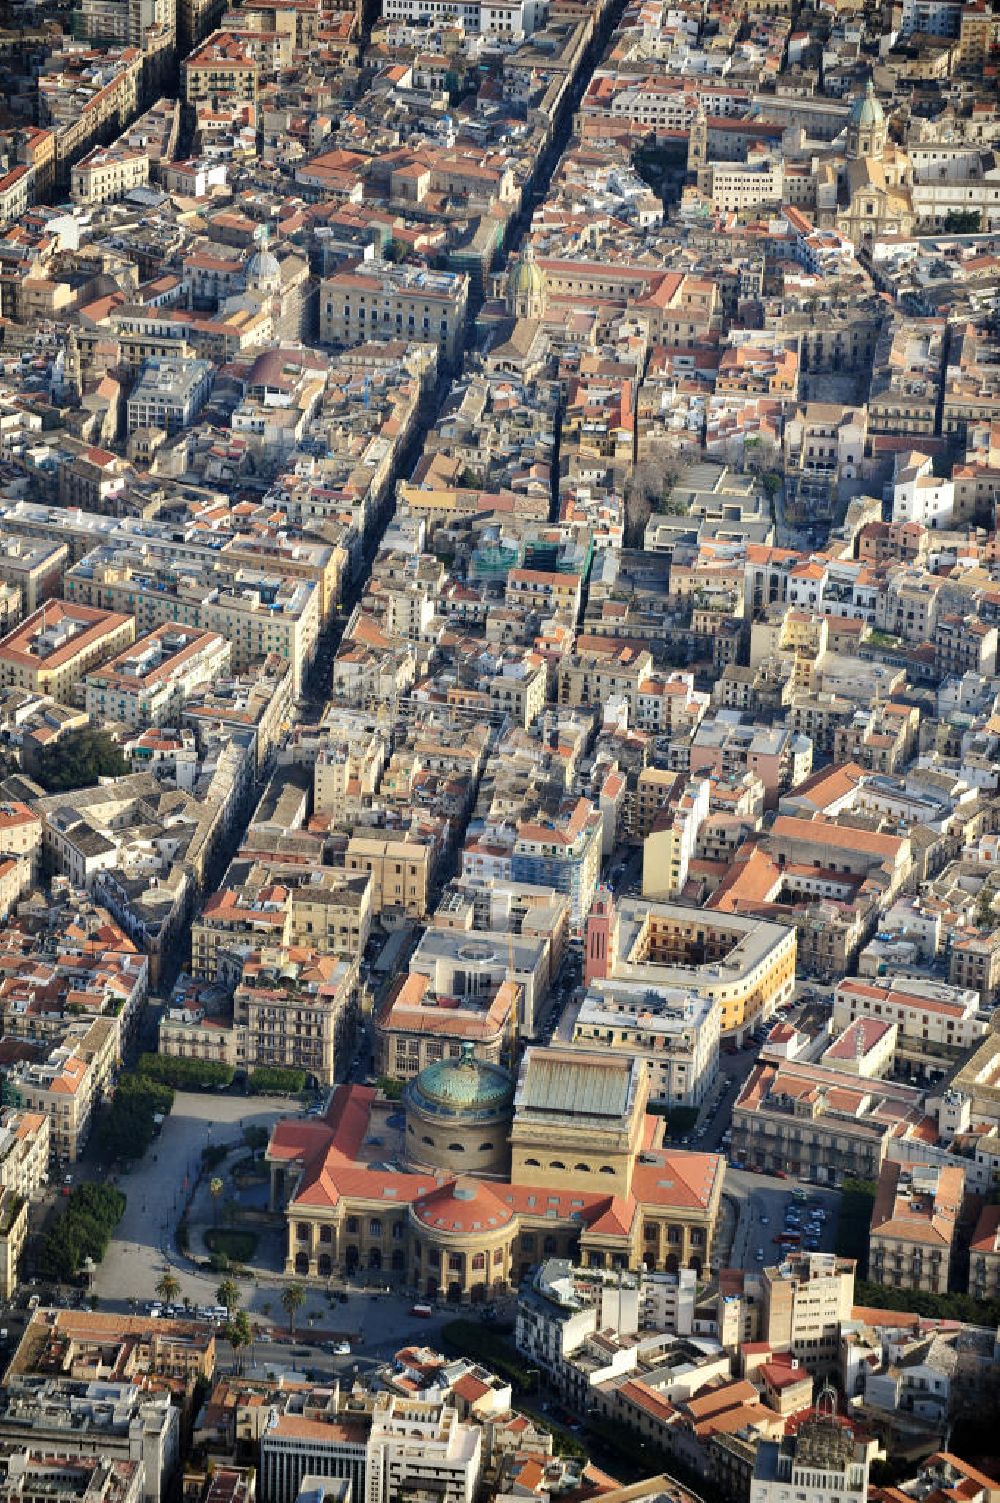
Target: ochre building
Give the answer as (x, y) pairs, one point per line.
(473, 1178)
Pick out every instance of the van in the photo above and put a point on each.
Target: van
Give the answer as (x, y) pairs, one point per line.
(424, 1311)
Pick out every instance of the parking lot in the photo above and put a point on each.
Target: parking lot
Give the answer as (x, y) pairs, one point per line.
(778, 1216)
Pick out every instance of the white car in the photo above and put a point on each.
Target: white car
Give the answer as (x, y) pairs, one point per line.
(342, 1349)
(759, 1255)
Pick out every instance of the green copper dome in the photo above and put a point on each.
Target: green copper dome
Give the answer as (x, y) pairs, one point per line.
(463, 1086)
(866, 110)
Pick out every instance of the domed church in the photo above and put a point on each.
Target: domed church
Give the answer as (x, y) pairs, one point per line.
(474, 1177)
(865, 191)
(526, 286)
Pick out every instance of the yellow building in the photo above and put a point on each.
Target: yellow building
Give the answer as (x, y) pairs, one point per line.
(222, 68)
(24, 1151)
(56, 645)
(13, 1235)
(399, 869)
(746, 964)
(545, 590)
(914, 1224)
(69, 1084)
(566, 1162)
(108, 173)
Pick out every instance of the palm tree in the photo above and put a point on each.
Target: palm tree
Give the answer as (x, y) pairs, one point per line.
(215, 1189)
(228, 1294)
(168, 1287)
(239, 1335)
(293, 1297)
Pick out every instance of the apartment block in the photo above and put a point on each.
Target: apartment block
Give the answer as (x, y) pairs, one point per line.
(984, 1255)
(818, 1123)
(417, 1445)
(108, 173)
(675, 1030)
(149, 683)
(914, 1225)
(805, 1298)
(402, 302)
(169, 393)
(257, 611)
(400, 872)
(295, 1009)
(58, 643)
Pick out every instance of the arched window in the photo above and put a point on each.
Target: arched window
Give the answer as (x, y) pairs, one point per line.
(532, 1163)
(584, 1167)
(429, 1141)
(557, 1164)
(455, 1148)
(486, 1148)
(606, 1169)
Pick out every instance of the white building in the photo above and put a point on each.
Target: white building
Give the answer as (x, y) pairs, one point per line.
(508, 20)
(149, 683)
(821, 1463)
(169, 393)
(419, 1444)
(931, 1011)
(296, 1445)
(918, 495)
(674, 1029)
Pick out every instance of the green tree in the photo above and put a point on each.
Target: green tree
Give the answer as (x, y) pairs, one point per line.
(272, 1078)
(239, 1334)
(82, 1231)
(78, 760)
(127, 1128)
(168, 1287)
(256, 1137)
(963, 222)
(215, 1188)
(293, 1297)
(186, 1074)
(228, 1294)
